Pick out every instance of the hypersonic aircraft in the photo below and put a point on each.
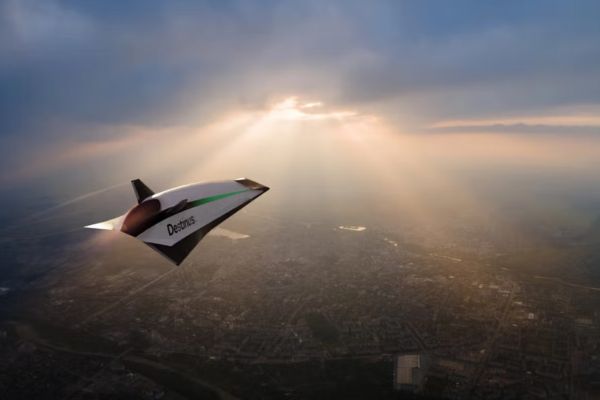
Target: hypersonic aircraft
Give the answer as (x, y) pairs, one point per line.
(174, 221)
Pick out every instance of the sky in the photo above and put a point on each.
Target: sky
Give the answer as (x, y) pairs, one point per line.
(431, 98)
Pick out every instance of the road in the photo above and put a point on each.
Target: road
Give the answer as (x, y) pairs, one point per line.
(491, 342)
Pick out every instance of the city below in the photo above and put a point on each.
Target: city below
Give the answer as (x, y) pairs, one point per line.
(327, 312)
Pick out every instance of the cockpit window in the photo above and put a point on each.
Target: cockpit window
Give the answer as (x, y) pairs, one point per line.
(141, 217)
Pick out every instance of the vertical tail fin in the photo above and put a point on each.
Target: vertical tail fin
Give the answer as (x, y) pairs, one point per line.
(142, 191)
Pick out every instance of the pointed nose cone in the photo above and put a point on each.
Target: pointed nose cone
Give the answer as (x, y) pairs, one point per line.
(250, 184)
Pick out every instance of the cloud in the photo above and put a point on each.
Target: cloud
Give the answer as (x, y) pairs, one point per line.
(67, 69)
(520, 128)
(492, 66)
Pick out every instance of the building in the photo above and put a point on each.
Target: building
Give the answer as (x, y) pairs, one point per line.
(410, 371)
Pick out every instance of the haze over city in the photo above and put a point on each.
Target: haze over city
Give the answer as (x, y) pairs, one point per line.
(434, 196)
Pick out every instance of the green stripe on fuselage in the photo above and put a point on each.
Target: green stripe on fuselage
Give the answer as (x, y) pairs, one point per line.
(216, 197)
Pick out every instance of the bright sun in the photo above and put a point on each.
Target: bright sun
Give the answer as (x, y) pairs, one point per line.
(292, 109)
